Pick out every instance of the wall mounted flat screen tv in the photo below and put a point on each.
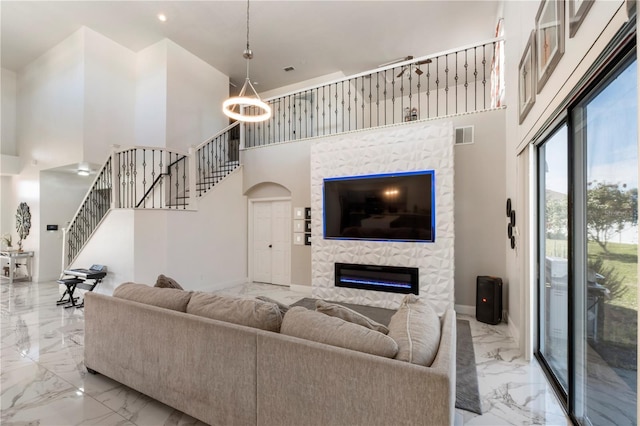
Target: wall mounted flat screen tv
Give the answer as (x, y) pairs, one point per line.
(383, 207)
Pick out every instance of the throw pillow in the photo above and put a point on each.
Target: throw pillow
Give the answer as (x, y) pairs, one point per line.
(166, 282)
(247, 312)
(282, 306)
(416, 329)
(318, 327)
(168, 298)
(339, 311)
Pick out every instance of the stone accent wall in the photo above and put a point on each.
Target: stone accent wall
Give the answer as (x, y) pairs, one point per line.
(407, 147)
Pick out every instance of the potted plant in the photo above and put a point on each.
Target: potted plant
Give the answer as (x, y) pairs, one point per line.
(7, 241)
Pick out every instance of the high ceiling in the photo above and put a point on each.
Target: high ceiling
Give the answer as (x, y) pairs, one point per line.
(315, 37)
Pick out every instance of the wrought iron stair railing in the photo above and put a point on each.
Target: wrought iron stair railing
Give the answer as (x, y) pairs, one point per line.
(151, 178)
(93, 208)
(217, 157)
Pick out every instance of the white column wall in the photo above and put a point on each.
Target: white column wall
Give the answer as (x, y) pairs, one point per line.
(195, 92)
(8, 145)
(151, 96)
(109, 96)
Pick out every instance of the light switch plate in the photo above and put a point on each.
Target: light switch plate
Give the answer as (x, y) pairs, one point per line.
(298, 212)
(298, 238)
(298, 225)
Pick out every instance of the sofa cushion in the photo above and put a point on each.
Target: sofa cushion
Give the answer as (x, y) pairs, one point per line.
(339, 311)
(282, 306)
(416, 329)
(165, 282)
(311, 325)
(168, 298)
(249, 312)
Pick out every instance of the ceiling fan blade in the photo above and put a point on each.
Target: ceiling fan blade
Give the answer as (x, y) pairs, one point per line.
(401, 72)
(426, 61)
(419, 71)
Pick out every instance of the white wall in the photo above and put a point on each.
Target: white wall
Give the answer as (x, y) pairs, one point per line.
(8, 92)
(50, 117)
(151, 96)
(287, 165)
(208, 249)
(112, 245)
(178, 98)
(195, 92)
(480, 199)
(109, 96)
(598, 28)
(407, 147)
(60, 196)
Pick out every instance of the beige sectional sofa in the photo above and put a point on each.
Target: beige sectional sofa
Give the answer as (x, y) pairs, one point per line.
(229, 374)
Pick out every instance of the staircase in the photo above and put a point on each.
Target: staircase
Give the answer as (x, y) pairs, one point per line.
(151, 178)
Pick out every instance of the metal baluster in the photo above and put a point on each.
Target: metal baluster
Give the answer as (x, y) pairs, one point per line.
(446, 84)
(377, 98)
(484, 77)
(475, 78)
(466, 81)
(355, 104)
(385, 97)
(362, 100)
(393, 96)
(337, 110)
(428, 88)
(410, 100)
(160, 177)
(135, 176)
(456, 82)
(402, 97)
(437, 86)
(418, 90)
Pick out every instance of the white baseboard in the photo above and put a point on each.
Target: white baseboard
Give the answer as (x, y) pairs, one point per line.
(305, 289)
(465, 310)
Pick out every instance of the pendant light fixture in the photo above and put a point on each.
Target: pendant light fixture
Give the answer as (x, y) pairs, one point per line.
(241, 107)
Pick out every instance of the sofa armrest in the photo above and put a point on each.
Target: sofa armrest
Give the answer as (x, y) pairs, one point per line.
(203, 367)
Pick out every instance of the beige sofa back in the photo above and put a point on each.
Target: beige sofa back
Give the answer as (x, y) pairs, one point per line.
(227, 374)
(201, 366)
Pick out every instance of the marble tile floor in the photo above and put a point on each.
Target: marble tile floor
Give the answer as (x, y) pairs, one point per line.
(43, 380)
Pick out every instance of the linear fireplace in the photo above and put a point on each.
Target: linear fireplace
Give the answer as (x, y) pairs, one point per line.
(393, 279)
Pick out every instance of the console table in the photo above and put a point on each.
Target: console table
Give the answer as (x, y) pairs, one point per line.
(16, 257)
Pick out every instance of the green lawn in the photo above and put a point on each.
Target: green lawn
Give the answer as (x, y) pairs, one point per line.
(624, 259)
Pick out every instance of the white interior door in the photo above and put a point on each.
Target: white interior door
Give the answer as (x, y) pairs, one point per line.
(272, 242)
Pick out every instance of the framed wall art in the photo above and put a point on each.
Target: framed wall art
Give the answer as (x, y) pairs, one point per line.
(549, 39)
(577, 11)
(526, 78)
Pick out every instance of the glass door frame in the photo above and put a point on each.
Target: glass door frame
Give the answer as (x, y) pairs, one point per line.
(572, 400)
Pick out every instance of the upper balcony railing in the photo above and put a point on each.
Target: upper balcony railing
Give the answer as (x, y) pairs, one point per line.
(443, 84)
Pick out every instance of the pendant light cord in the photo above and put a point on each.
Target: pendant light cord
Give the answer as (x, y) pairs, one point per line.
(247, 24)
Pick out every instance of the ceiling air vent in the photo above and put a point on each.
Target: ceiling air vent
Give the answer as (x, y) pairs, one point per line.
(289, 68)
(464, 135)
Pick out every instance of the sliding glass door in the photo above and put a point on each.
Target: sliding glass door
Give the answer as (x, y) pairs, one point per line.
(588, 251)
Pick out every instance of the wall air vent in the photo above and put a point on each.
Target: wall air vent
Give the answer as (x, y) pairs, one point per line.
(287, 69)
(464, 135)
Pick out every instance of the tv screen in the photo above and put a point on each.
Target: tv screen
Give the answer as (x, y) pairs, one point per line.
(394, 207)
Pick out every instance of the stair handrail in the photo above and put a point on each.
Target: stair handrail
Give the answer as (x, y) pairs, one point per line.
(105, 170)
(157, 179)
(206, 173)
(125, 165)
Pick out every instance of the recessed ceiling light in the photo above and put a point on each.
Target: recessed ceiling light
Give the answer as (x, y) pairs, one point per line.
(162, 17)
